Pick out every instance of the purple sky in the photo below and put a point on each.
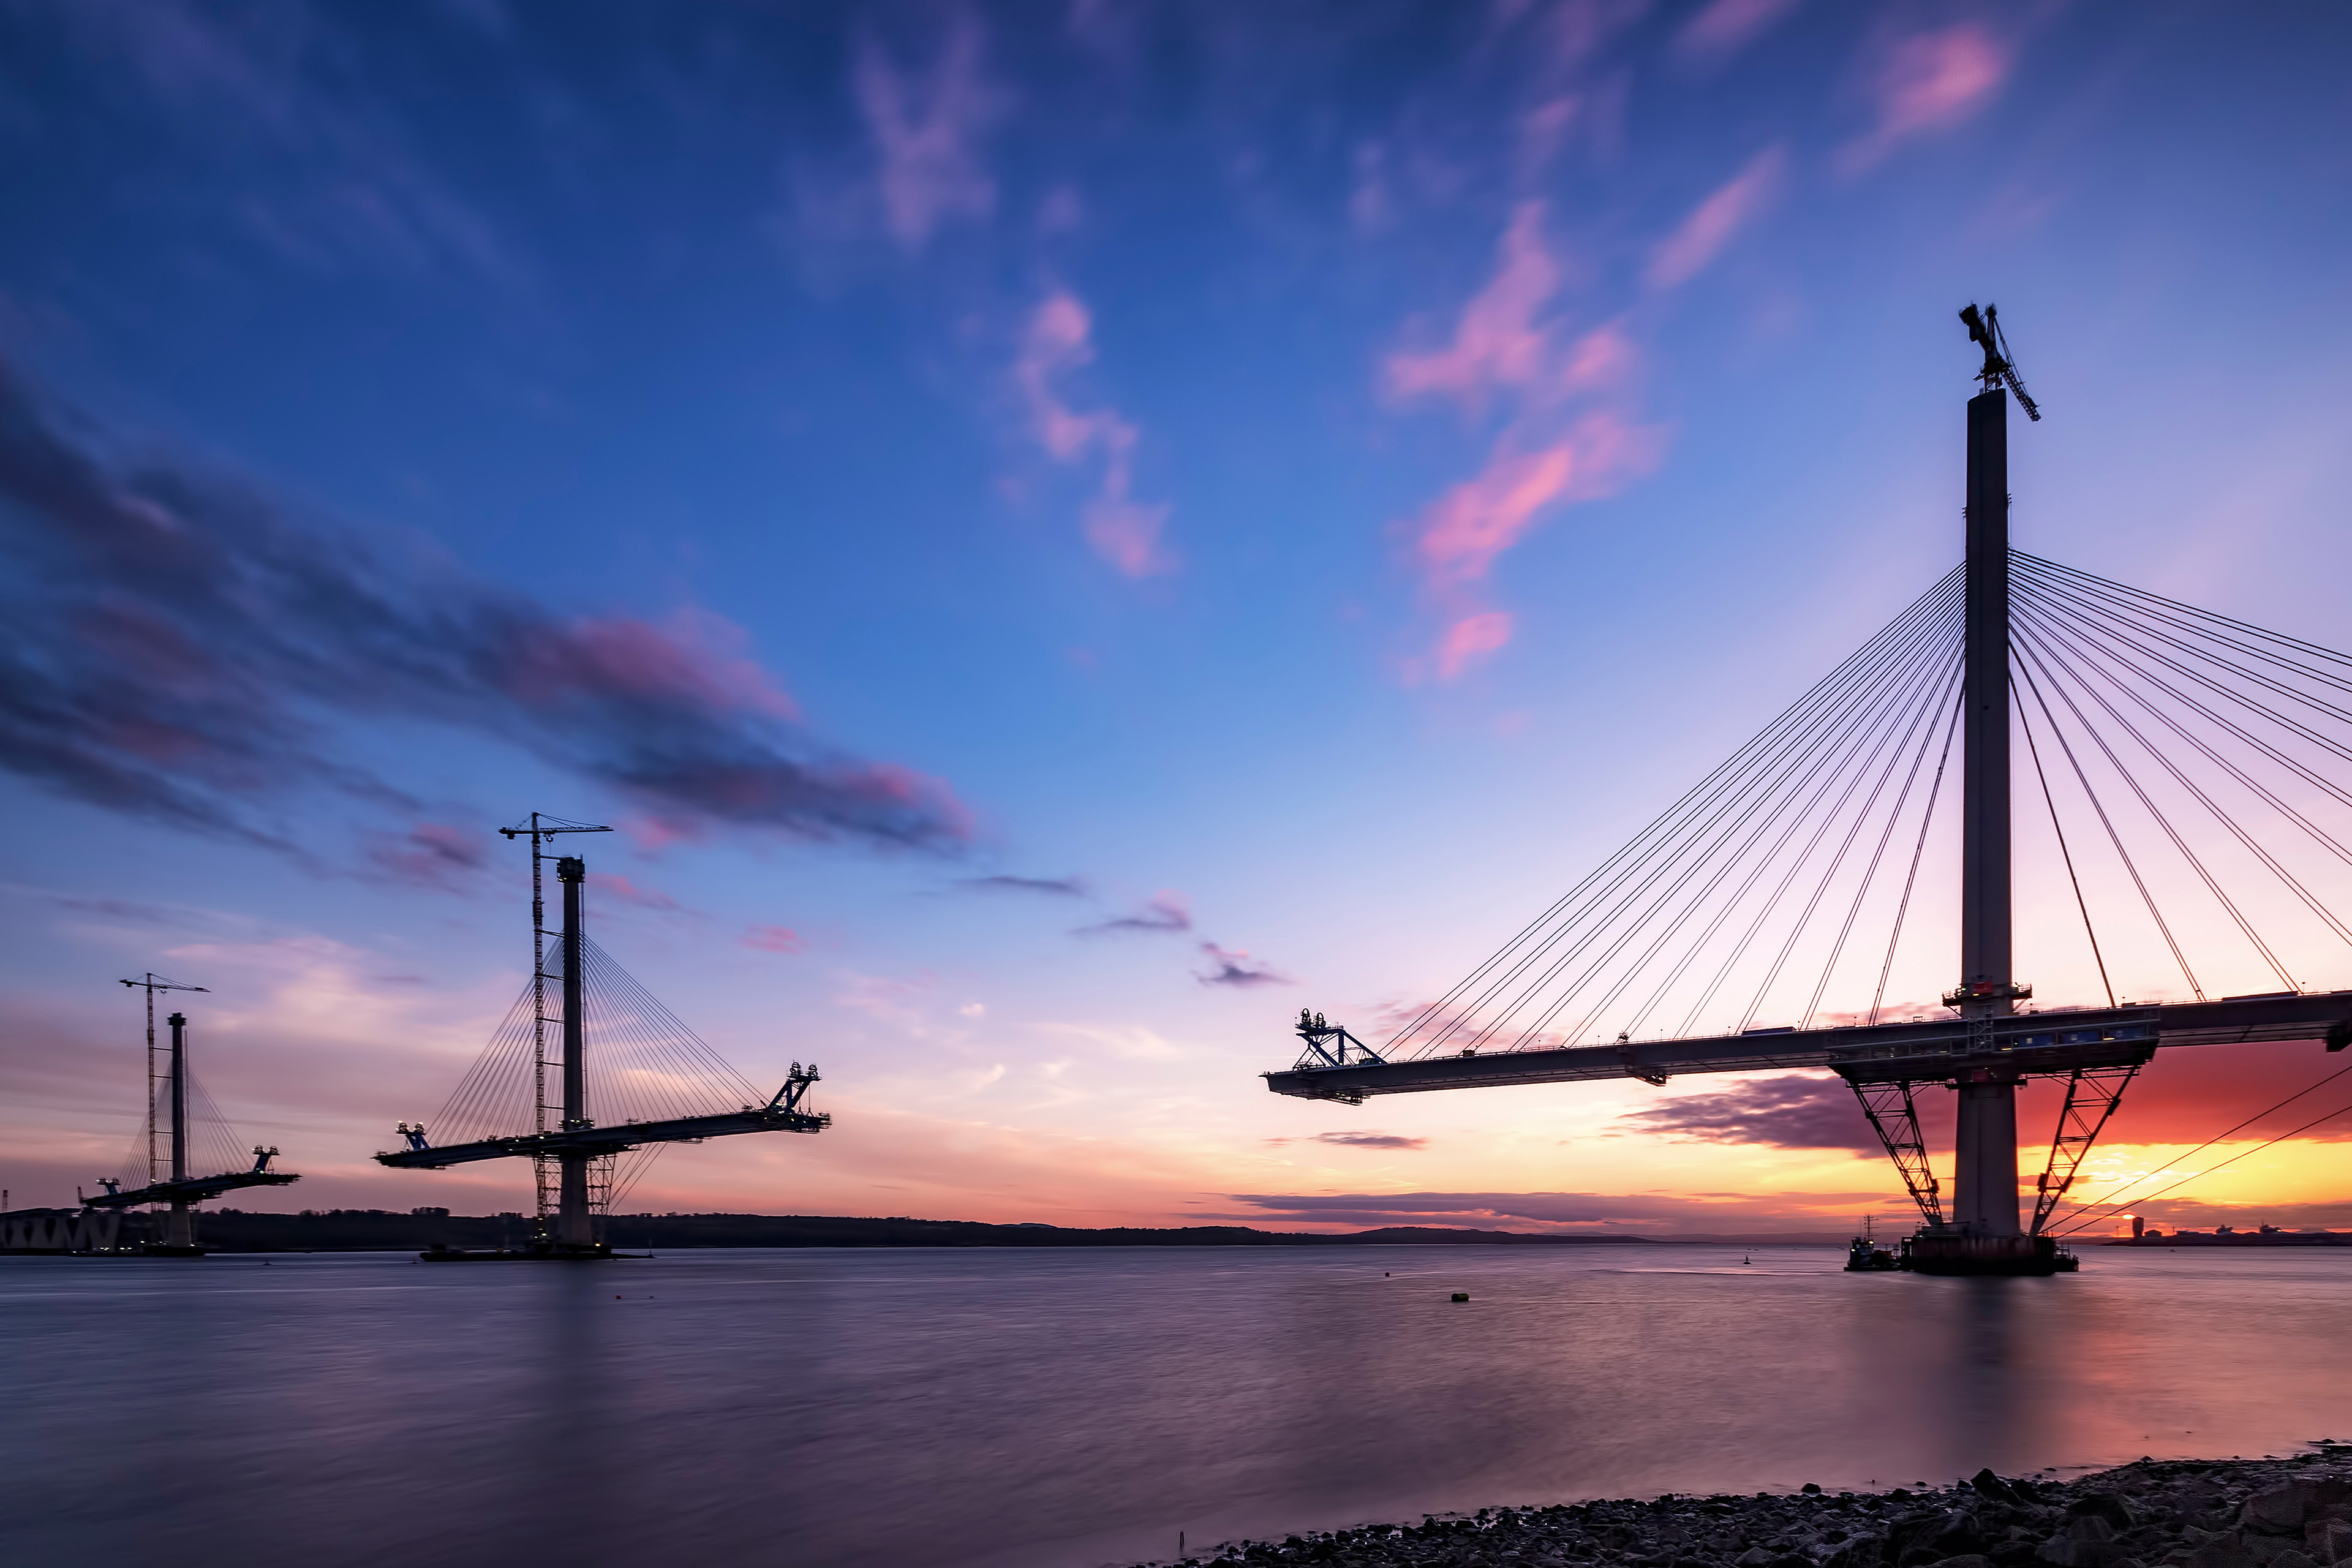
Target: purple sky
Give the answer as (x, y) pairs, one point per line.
(1059, 534)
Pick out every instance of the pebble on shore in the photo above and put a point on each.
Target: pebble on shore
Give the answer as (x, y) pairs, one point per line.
(2264, 1513)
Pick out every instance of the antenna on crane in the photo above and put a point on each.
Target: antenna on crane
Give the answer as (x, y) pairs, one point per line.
(538, 827)
(1999, 370)
(151, 984)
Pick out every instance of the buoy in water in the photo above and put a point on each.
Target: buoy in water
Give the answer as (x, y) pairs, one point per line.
(1462, 1295)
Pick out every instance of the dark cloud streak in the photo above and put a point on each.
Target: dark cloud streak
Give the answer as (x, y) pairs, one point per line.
(1237, 969)
(1371, 1140)
(1057, 887)
(180, 646)
(1781, 1112)
(1163, 914)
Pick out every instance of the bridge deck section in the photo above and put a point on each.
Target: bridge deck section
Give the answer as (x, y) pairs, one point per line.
(2022, 1044)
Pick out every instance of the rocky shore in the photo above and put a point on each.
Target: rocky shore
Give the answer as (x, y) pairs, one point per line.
(2265, 1513)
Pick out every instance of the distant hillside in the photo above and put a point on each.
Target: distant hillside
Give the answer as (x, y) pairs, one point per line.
(382, 1230)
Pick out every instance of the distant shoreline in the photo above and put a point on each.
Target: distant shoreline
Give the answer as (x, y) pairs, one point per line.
(381, 1230)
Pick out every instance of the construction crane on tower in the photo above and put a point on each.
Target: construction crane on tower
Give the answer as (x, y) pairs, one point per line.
(600, 1007)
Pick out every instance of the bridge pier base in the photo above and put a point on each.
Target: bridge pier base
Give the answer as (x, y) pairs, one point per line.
(575, 1226)
(1984, 1200)
(1953, 1252)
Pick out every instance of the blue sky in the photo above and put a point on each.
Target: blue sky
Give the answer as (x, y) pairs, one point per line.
(1299, 485)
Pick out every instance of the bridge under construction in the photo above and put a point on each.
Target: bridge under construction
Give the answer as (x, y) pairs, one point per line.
(167, 1177)
(2198, 755)
(667, 1086)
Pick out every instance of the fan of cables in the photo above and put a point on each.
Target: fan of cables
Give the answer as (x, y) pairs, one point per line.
(2190, 766)
(212, 1145)
(641, 1063)
(1748, 896)
(2183, 830)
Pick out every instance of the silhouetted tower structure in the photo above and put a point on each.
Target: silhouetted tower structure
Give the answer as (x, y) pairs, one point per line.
(573, 1158)
(174, 1187)
(1985, 1150)
(547, 1171)
(573, 1227)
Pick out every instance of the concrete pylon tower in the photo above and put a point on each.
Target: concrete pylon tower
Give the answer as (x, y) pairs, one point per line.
(573, 1224)
(1985, 1153)
(179, 1226)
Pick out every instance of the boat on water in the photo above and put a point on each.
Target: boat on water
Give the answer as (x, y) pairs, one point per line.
(1950, 1251)
(1866, 1256)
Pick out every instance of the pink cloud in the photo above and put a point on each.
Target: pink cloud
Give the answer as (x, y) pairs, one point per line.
(1544, 128)
(771, 938)
(924, 128)
(1465, 529)
(1685, 253)
(697, 661)
(1458, 537)
(1127, 534)
(1121, 530)
(1927, 84)
(1568, 433)
(1726, 27)
(619, 887)
(1471, 641)
(1498, 342)
(1604, 357)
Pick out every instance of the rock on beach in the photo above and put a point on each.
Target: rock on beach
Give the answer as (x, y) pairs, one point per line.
(2264, 1513)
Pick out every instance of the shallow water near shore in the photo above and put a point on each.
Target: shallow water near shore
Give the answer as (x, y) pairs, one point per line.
(1080, 1407)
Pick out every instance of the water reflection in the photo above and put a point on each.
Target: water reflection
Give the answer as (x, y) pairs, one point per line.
(1076, 1407)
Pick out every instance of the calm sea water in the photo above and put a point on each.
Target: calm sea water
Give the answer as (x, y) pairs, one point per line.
(1074, 1407)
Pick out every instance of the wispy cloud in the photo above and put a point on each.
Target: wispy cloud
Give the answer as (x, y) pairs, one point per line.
(179, 644)
(1471, 640)
(1057, 342)
(430, 854)
(1498, 342)
(1726, 27)
(620, 889)
(925, 125)
(1164, 911)
(1568, 434)
(1734, 205)
(1056, 887)
(1927, 83)
(1371, 1140)
(346, 186)
(1235, 967)
(1458, 536)
(771, 938)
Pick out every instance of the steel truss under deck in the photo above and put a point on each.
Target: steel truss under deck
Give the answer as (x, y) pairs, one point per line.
(1894, 1117)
